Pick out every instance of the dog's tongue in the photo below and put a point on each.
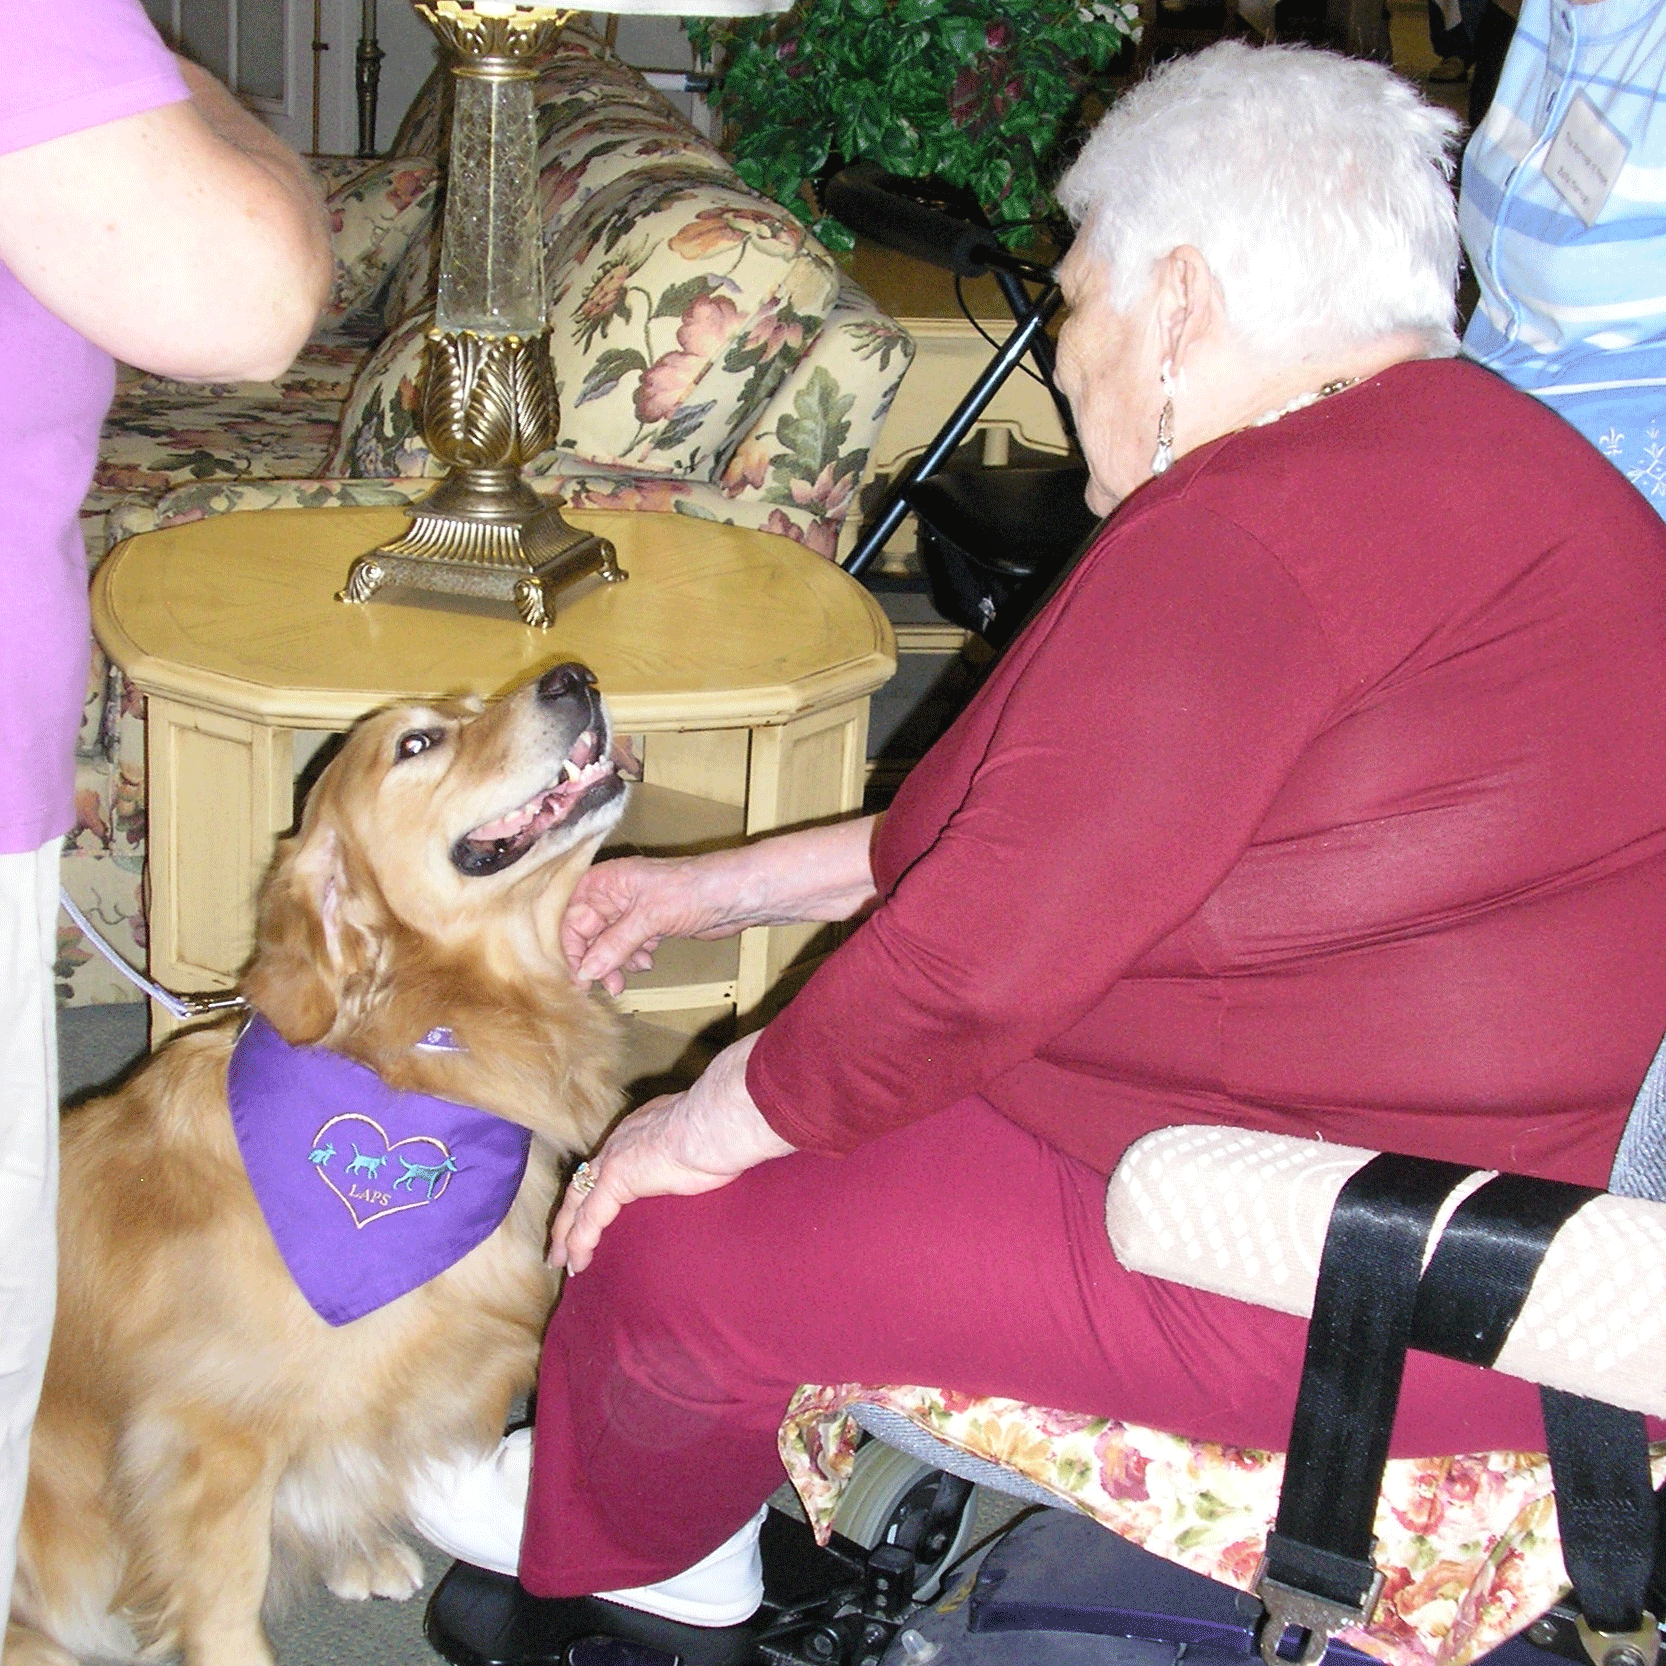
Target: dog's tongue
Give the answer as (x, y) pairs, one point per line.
(506, 827)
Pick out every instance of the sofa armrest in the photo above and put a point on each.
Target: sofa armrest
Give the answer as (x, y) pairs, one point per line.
(808, 451)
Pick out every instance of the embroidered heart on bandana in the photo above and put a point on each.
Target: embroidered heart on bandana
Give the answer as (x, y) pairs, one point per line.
(383, 1155)
(374, 1176)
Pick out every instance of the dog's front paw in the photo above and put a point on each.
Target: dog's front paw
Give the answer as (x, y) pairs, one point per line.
(392, 1570)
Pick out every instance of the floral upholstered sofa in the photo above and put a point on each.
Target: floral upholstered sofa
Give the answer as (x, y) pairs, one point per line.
(712, 359)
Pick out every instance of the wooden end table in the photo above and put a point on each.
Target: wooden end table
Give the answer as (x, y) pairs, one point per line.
(740, 663)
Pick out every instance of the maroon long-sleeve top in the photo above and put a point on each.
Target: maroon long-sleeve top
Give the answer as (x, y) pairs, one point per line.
(1327, 795)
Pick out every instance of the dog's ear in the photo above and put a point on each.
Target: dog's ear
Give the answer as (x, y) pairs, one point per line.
(311, 937)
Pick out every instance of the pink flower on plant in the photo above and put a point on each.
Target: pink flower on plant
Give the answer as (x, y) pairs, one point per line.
(89, 814)
(654, 497)
(775, 331)
(1045, 1420)
(556, 187)
(823, 538)
(708, 326)
(407, 185)
(129, 477)
(665, 385)
(1465, 1479)
(1446, 1583)
(1235, 1564)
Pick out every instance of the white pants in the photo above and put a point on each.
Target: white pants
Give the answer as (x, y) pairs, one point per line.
(28, 1167)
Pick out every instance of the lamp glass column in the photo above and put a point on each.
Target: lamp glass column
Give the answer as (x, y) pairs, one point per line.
(492, 257)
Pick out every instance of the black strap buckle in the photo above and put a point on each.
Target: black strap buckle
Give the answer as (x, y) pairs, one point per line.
(1316, 1618)
(1621, 1648)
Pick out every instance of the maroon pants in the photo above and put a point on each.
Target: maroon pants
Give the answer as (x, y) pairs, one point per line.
(960, 1253)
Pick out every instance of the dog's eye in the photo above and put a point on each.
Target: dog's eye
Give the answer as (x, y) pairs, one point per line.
(415, 741)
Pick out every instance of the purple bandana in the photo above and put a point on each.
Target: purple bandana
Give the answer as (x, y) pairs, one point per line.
(367, 1191)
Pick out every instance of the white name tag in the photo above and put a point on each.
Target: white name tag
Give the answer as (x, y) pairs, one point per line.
(1584, 159)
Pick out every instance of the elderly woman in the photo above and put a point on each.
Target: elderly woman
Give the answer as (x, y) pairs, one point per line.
(1326, 794)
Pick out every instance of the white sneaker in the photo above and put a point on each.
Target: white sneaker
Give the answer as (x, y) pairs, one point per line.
(721, 1589)
(474, 1509)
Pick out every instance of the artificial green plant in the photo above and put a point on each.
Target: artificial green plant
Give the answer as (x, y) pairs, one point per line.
(976, 93)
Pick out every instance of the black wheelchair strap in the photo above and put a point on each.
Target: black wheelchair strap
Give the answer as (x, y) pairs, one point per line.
(1470, 1296)
(1605, 1506)
(1371, 1302)
(1363, 1304)
(1484, 1264)
(1356, 1350)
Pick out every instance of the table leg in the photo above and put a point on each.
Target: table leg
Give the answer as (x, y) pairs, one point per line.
(806, 771)
(220, 791)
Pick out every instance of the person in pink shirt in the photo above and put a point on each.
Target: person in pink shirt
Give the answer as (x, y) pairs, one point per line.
(144, 216)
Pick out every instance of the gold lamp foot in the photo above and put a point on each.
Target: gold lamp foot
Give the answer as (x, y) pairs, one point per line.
(519, 564)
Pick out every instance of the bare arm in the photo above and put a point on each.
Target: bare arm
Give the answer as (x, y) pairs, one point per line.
(187, 240)
(622, 910)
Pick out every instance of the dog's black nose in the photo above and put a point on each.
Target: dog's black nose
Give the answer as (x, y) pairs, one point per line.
(562, 680)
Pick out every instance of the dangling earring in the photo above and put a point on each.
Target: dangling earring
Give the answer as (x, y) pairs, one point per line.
(1164, 454)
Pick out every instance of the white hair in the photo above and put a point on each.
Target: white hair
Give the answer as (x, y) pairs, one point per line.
(1317, 188)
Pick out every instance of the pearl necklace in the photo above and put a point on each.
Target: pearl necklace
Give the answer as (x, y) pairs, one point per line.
(1303, 400)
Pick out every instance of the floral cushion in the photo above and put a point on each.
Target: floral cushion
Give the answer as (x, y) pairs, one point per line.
(1468, 1545)
(808, 449)
(374, 215)
(161, 434)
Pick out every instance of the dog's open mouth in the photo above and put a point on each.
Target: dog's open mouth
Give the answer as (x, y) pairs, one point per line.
(589, 777)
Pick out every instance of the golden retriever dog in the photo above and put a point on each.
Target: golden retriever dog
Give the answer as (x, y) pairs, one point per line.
(202, 1429)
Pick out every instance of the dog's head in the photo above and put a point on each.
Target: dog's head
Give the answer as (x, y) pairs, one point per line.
(453, 831)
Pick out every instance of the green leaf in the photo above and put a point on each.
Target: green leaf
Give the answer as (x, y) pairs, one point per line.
(962, 38)
(817, 428)
(609, 370)
(684, 423)
(681, 296)
(871, 79)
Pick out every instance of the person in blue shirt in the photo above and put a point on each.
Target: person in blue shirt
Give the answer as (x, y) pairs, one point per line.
(1562, 213)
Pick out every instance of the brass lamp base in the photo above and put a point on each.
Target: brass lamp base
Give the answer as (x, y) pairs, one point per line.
(518, 561)
(484, 535)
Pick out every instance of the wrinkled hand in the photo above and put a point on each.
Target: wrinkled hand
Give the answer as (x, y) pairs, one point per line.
(621, 910)
(681, 1144)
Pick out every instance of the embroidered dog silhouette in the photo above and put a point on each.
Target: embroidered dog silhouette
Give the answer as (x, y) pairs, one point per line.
(363, 1163)
(431, 1172)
